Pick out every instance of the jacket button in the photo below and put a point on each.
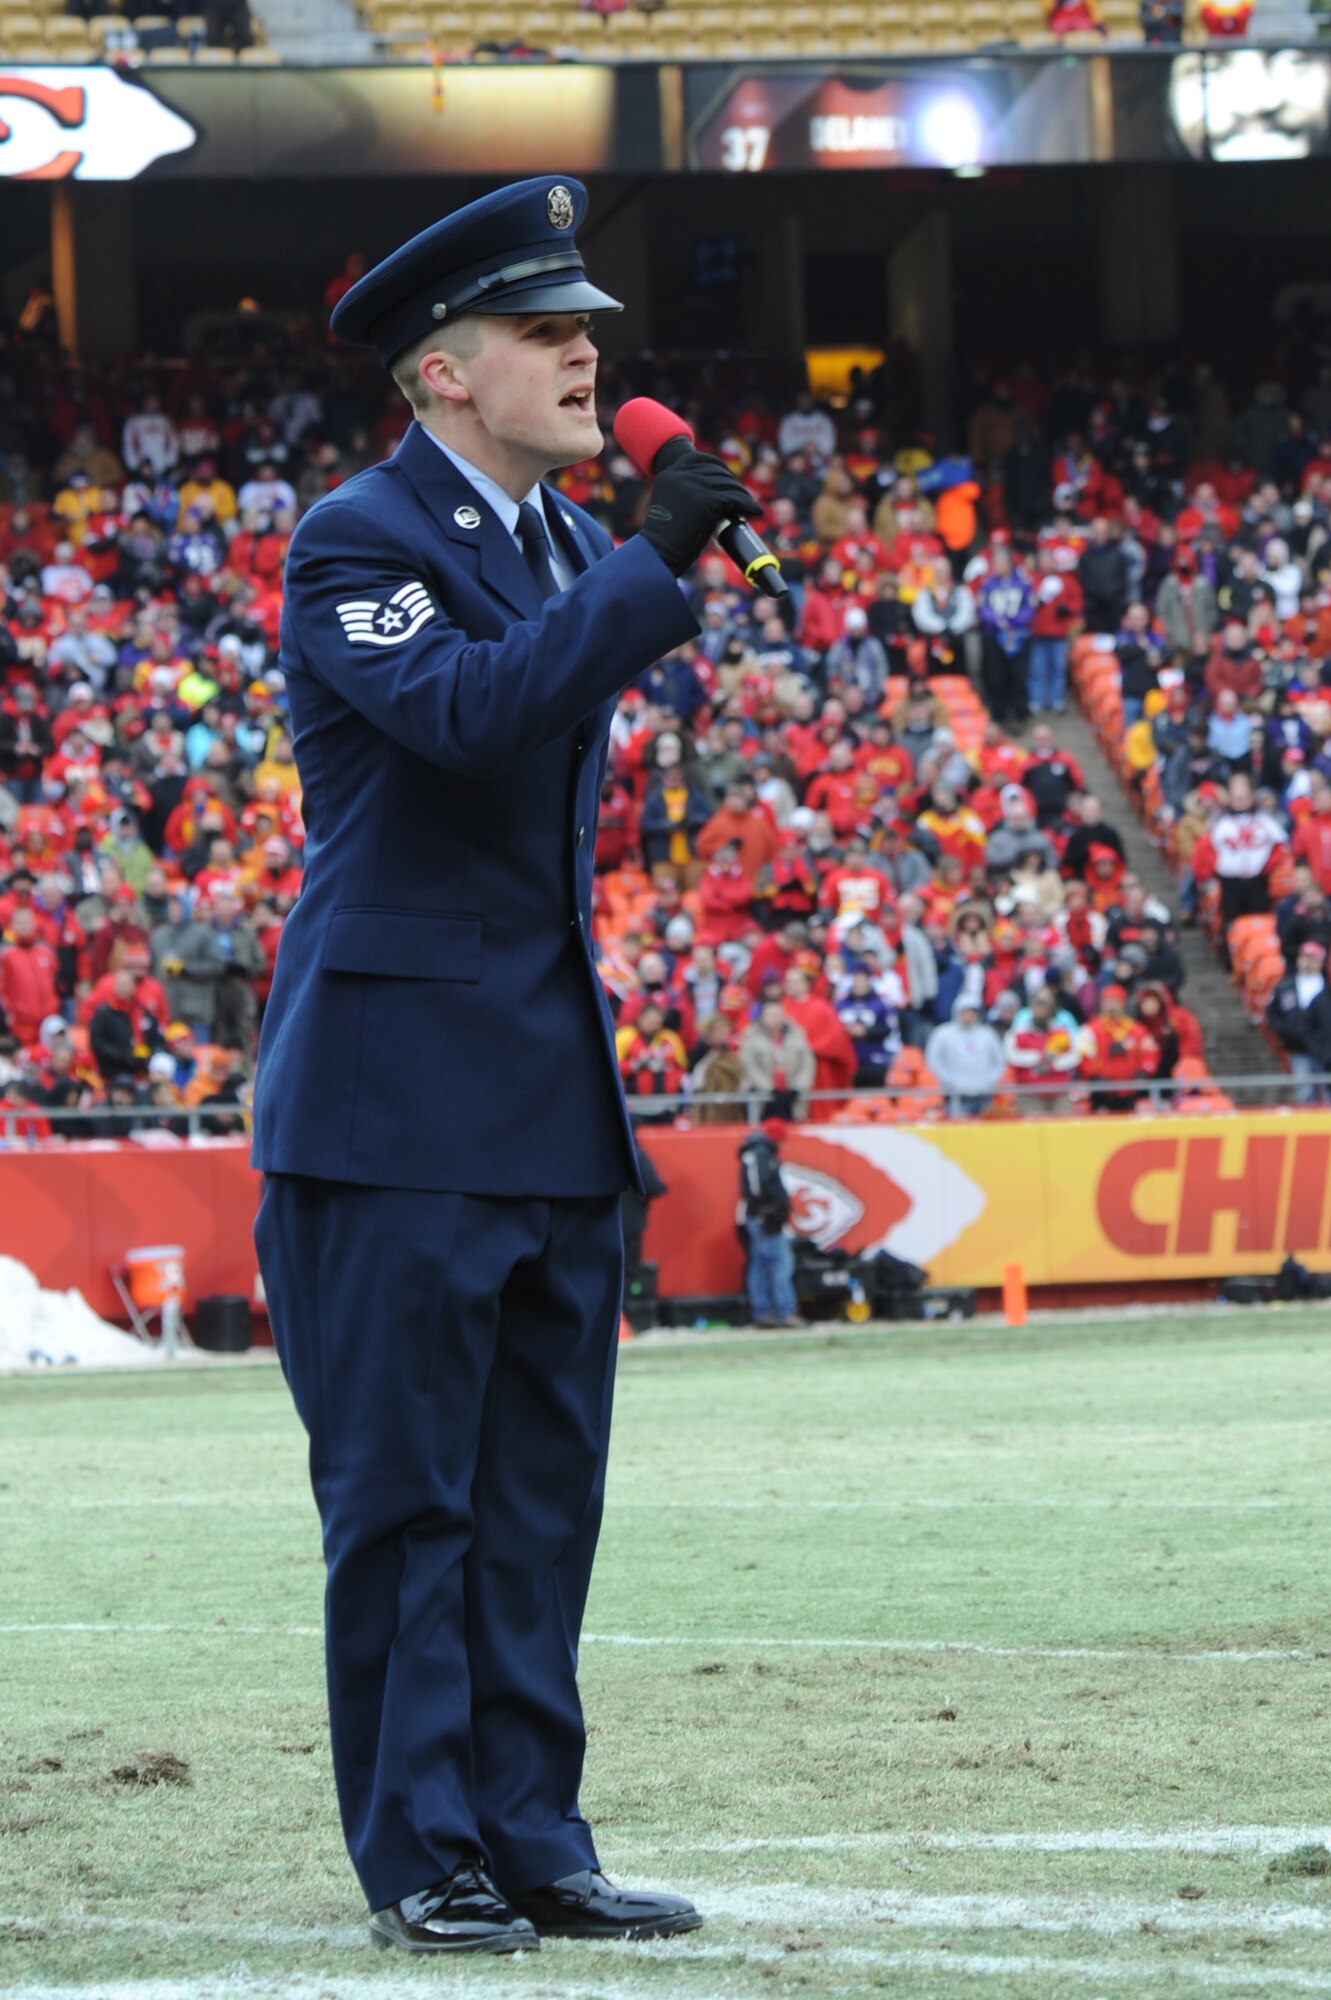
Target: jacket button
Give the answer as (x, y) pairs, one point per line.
(582, 835)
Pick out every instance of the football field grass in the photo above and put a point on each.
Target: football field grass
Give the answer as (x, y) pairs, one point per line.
(946, 1662)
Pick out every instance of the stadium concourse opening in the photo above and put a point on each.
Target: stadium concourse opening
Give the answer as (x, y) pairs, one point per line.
(1023, 261)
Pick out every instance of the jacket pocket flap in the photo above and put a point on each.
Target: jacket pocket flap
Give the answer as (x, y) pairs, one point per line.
(404, 944)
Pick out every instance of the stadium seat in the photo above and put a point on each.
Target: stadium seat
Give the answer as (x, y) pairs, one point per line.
(404, 22)
(921, 1099)
(627, 32)
(107, 25)
(938, 21)
(1245, 929)
(844, 15)
(65, 32)
(987, 21)
(20, 28)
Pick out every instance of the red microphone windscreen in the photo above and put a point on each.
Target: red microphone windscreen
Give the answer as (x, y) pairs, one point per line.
(643, 426)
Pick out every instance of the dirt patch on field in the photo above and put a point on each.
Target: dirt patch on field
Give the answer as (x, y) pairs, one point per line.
(153, 1767)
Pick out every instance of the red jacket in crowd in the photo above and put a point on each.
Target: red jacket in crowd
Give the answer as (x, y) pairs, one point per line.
(149, 999)
(1312, 843)
(725, 894)
(28, 987)
(1123, 1048)
(1059, 605)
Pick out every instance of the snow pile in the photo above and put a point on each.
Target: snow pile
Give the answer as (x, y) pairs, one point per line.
(42, 1329)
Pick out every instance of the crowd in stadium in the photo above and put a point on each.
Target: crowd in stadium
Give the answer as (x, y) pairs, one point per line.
(846, 867)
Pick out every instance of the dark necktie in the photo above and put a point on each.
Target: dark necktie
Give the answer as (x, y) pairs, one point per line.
(536, 549)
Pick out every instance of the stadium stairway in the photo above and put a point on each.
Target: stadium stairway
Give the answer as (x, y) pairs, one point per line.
(317, 31)
(1286, 24)
(1234, 1047)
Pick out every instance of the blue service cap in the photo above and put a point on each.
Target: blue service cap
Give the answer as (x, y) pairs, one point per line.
(510, 252)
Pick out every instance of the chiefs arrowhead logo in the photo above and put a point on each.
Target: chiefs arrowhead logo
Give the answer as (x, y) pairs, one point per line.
(821, 1208)
(83, 124)
(878, 1190)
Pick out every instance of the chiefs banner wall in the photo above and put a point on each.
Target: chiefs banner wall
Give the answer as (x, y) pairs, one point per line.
(1075, 1201)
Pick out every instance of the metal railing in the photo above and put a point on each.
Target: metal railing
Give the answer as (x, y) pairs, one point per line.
(1074, 1092)
(107, 1122)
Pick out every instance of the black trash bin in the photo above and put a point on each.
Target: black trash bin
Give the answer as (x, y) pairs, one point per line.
(221, 1323)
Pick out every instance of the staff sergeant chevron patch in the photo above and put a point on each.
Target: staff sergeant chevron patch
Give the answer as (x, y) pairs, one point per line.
(372, 621)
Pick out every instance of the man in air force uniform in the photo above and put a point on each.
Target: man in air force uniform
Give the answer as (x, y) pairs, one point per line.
(438, 1112)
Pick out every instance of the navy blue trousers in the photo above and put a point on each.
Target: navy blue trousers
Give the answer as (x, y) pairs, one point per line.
(452, 1359)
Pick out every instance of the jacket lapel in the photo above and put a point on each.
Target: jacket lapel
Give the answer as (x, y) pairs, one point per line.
(486, 549)
(564, 526)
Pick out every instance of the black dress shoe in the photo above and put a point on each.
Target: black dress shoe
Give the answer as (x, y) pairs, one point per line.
(586, 1905)
(465, 1912)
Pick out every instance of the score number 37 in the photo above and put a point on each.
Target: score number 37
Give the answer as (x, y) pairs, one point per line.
(744, 148)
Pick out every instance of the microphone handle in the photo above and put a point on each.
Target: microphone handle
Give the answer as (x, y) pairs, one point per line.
(748, 552)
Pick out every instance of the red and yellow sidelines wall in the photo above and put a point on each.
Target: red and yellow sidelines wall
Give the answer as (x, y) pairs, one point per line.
(1076, 1201)
(71, 1211)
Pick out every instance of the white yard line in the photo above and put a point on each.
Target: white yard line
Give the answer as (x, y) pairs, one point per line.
(132, 1504)
(760, 1643)
(903, 1503)
(417, 1979)
(111, 1629)
(524, 1973)
(789, 1906)
(1259, 1840)
(974, 1965)
(751, 1642)
(1103, 1916)
(992, 1503)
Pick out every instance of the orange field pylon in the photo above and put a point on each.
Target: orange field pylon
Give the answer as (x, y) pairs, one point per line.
(1014, 1294)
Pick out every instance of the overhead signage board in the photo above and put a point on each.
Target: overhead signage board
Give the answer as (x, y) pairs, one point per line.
(995, 109)
(493, 120)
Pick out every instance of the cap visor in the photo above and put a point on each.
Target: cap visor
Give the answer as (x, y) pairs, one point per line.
(579, 297)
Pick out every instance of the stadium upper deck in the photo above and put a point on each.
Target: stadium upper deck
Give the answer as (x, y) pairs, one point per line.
(45, 32)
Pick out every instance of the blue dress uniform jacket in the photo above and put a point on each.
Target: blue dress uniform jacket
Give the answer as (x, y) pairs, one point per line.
(436, 1020)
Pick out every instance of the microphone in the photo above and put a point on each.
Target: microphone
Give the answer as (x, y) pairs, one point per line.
(655, 438)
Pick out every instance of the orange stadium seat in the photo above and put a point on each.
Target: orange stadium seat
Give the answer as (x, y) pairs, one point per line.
(1246, 933)
(911, 1075)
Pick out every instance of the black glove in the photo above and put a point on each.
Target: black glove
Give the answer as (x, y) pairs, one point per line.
(688, 503)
